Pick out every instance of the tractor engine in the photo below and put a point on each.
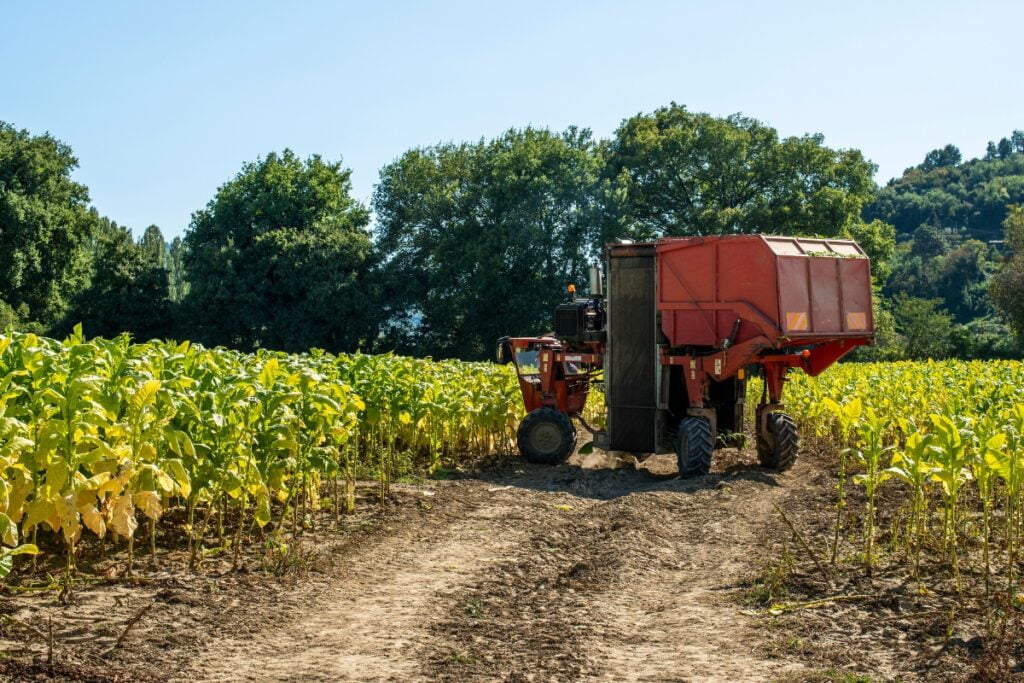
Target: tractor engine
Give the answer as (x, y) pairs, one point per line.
(581, 320)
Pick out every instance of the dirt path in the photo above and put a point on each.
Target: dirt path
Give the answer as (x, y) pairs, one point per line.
(581, 571)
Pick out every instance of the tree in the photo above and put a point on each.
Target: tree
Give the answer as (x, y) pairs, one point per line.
(939, 158)
(153, 246)
(929, 241)
(966, 200)
(1007, 286)
(127, 290)
(1004, 148)
(1017, 139)
(878, 240)
(480, 239)
(45, 224)
(8, 317)
(279, 259)
(178, 285)
(675, 172)
(925, 327)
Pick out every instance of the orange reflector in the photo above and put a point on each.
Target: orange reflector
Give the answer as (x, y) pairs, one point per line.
(857, 320)
(797, 321)
(741, 373)
(572, 289)
(805, 353)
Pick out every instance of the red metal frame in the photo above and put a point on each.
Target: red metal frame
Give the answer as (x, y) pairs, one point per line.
(553, 386)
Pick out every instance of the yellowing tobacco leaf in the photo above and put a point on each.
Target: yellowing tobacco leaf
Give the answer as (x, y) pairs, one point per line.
(93, 520)
(68, 513)
(177, 471)
(122, 516)
(262, 514)
(57, 475)
(8, 531)
(39, 510)
(147, 452)
(149, 503)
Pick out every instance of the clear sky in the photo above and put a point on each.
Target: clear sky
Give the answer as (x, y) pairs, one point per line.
(164, 101)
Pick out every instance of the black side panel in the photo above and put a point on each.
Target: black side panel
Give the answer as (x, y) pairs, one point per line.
(632, 367)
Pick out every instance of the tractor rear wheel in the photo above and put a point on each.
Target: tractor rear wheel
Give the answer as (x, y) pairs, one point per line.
(777, 448)
(546, 437)
(694, 447)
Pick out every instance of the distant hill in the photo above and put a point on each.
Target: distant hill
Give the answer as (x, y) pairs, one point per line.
(966, 199)
(948, 214)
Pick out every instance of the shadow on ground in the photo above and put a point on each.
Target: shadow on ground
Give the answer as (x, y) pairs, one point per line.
(606, 476)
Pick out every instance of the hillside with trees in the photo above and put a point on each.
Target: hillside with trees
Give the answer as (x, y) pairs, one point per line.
(464, 242)
(950, 218)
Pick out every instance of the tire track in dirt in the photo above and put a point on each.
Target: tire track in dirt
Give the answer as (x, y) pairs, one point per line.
(680, 621)
(364, 624)
(631, 583)
(536, 573)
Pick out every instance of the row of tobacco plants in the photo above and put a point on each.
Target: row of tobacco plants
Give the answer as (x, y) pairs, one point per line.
(102, 437)
(941, 445)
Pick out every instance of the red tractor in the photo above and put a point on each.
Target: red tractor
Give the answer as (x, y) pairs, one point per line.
(681, 326)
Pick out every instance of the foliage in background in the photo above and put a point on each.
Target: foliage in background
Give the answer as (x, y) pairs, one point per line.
(480, 239)
(280, 259)
(475, 240)
(1008, 285)
(949, 215)
(45, 225)
(128, 288)
(676, 172)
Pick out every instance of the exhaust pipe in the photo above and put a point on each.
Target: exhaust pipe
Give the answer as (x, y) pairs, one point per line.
(596, 282)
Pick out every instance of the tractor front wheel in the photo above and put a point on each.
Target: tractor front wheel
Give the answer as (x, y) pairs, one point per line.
(694, 447)
(546, 437)
(777, 448)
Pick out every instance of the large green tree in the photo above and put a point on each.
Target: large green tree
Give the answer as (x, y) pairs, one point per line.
(481, 239)
(677, 172)
(45, 224)
(279, 259)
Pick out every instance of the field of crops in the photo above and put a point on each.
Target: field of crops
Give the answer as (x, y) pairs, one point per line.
(98, 436)
(943, 444)
(103, 437)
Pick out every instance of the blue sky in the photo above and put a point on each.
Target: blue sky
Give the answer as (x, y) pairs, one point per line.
(163, 102)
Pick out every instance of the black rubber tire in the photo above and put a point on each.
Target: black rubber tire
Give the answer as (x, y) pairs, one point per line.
(546, 437)
(778, 449)
(694, 447)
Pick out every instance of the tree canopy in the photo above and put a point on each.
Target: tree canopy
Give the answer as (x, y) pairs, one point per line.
(475, 240)
(1008, 286)
(45, 223)
(279, 259)
(127, 289)
(676, 172)
(480, 239)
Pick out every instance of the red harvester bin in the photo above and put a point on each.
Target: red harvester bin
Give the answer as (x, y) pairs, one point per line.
(721, 291)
